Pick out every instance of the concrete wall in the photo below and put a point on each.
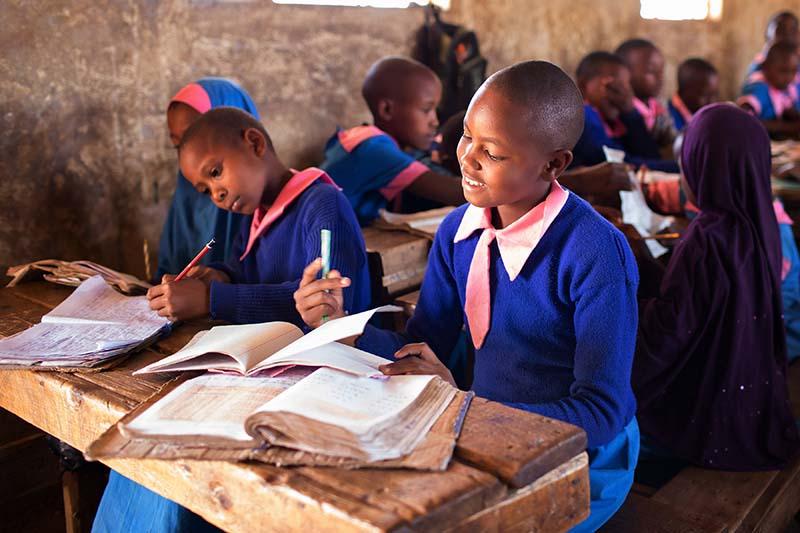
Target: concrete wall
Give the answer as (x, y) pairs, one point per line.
(85, 161)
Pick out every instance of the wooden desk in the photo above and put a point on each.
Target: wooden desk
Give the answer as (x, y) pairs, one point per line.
(511, 471)
(397, 261)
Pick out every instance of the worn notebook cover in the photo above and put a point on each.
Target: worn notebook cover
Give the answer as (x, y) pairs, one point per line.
(434, 453)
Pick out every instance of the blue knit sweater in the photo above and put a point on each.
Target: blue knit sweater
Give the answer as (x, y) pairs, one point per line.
(263, 285)
(562, 334)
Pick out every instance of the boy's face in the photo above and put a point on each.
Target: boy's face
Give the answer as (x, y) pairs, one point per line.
(501, 165)
(179, 117)
(608, 91)
(781, 71)
(647, 72)
(235, 177)
(412, 121)
(701, 93)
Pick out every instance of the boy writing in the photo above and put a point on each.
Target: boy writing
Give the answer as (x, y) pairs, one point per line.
(545, 286)
(369, 163)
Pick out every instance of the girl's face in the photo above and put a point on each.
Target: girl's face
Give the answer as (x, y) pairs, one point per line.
(502, 165)
(179, 117)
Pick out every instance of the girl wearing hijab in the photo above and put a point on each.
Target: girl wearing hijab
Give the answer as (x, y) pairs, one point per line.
(193, 219)
(710, 367)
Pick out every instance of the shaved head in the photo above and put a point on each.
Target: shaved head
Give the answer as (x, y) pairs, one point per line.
(547, 99)
(395, 78)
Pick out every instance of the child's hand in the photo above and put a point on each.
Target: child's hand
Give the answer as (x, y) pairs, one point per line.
(425, 363)
(207, 275)
(182, 300)
(620, 95)
(320, 297)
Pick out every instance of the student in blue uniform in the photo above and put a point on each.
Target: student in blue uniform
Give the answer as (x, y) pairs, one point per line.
(193, 219)
(610, 118)
(698, 86)
(782, 27)
(227, 155)
(772, 93)
(545, 286)
(369, 161)
(646, 64)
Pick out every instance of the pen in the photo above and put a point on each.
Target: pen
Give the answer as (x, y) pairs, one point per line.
(325, 254)
(197, 258)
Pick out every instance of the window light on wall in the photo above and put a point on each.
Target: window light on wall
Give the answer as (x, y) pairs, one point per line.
(681, 9)
(444, 4)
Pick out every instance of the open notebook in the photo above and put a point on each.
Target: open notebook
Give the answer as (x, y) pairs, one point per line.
(252, 348)
(90, 329)
(303, 416)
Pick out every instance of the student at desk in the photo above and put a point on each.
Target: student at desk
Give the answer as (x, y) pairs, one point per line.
(545, 285)
(228, 155)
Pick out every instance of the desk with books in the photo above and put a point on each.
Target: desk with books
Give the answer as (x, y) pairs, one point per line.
(511, 470)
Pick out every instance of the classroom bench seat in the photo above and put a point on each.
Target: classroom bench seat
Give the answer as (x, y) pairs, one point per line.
(702, 500)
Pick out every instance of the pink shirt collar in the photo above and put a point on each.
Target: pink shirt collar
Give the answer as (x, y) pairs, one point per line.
(350, 139)
(297, 184)
(678, 103)
(518, 240)
(649, 110)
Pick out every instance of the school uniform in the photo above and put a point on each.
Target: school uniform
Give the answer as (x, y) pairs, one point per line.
(269, 258)
(710, 367)
(790, 281)
(657, 120)
(270, 255)
(193, 219)
(370, 167)
(767, 102)
(679, 112)
(550, 305)
(628, 133)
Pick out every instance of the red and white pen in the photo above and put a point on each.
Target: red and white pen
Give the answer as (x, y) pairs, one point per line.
(197, 258)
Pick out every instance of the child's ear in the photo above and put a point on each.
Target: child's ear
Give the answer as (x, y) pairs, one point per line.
(255, 141)
(385, 109)
(558, 163)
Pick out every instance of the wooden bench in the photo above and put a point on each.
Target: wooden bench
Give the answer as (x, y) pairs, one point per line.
(397, 262)
(705, 500)
(511, 471)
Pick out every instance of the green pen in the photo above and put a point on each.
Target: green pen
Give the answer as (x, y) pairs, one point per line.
(325, 253)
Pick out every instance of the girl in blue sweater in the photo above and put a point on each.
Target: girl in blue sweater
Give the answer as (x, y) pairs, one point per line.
(228, 155)
(545, 286)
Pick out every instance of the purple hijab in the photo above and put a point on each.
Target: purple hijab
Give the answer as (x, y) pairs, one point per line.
(710, 366)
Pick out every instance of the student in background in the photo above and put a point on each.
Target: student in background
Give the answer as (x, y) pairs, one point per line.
(772, 92)
(782, 27)
(610, 117)
(698, 86)
(646, 64)
(545, 286)
(368, 161)
(790, 280)
(193, 219)
(710, 366)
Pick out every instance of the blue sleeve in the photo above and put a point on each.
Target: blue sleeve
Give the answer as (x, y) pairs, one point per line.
(382, 160)
(589, 149)
(601, 399)
(242, 302)
(640, 147)
(756, 94)
(438, 317)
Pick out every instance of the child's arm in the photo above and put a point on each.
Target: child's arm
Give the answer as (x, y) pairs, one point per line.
(601, 400)
(439, 188)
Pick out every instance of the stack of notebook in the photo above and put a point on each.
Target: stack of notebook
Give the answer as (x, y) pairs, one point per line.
(73, 273)
(90, 329)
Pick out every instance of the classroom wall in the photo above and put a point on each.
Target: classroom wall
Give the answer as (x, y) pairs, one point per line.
(84, 156)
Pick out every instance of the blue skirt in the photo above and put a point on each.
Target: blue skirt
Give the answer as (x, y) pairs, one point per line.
(127, 506)
(611, 469)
